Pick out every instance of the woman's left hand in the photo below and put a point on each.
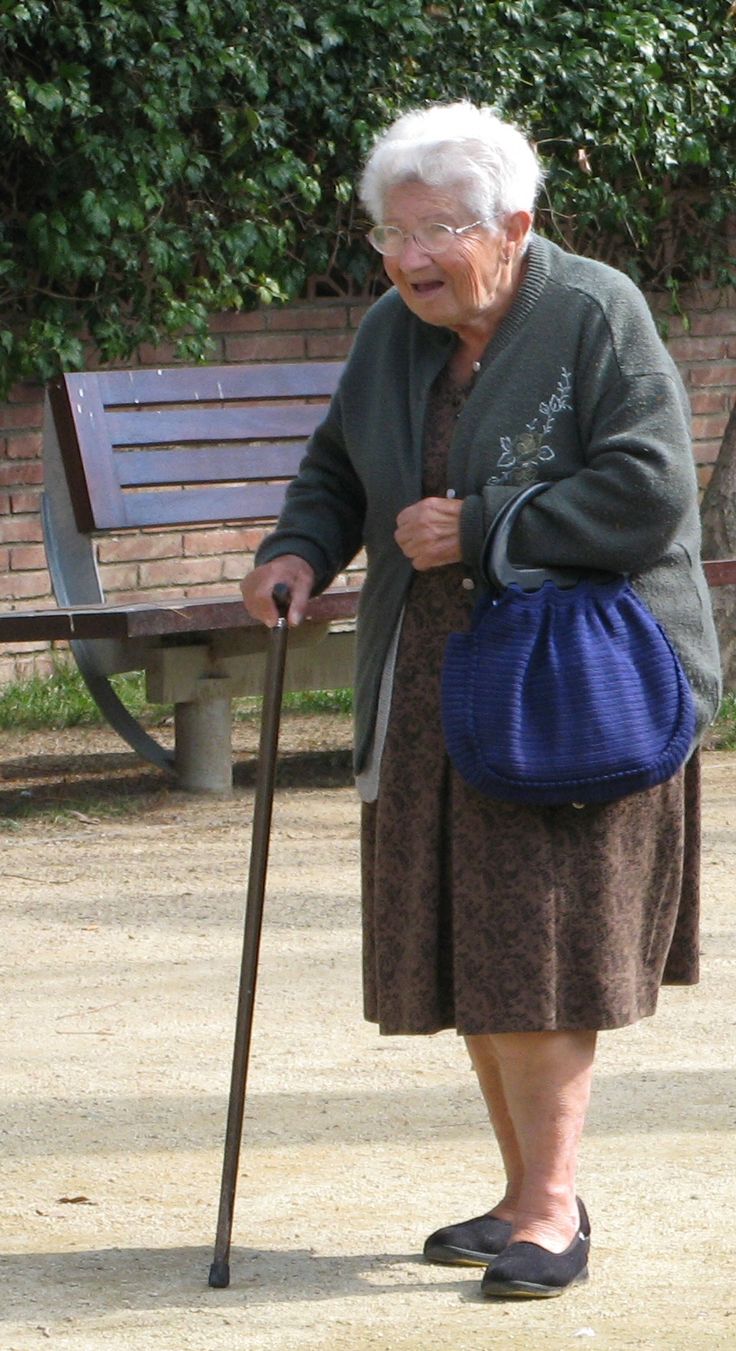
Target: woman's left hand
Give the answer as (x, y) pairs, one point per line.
(428, 532)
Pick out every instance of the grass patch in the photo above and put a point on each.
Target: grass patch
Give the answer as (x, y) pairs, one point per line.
(63, 700)
(723, 733)
(304, 703)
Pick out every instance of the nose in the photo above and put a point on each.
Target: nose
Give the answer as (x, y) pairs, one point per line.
(411, 253)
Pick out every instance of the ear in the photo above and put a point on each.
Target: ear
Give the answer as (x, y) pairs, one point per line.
(516, 229)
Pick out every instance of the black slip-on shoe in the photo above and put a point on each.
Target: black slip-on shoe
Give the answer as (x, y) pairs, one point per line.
(469, 1244)
(528, 1271)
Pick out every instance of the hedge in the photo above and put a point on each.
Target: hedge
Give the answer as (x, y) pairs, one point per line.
(164, 159)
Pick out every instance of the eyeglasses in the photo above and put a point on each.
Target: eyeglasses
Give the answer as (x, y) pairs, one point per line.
(433, 238)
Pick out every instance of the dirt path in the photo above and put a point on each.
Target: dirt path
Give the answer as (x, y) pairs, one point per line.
(121, 946)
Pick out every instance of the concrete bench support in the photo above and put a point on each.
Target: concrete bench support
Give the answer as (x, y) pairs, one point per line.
(203, 729)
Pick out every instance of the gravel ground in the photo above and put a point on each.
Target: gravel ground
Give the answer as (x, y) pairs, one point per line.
(122, 906)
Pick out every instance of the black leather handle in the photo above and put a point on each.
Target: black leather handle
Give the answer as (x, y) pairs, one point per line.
(497, 565)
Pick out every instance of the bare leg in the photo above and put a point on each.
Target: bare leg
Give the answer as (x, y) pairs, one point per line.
(537, 1086)
(485, 1063)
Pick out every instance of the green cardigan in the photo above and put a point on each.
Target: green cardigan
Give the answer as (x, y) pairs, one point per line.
(576, 387)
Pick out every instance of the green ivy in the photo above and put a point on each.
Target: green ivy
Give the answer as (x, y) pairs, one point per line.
(165, 159)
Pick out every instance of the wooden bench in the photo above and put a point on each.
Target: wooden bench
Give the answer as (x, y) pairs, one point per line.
(142, 449)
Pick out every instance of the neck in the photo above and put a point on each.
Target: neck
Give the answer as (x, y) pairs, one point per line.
(475, 335)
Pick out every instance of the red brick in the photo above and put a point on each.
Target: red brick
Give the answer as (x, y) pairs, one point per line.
(4, 504)
(4, 560)
(715, 373)
(710, 401)
(22, 666)
(154, 594)
(20, 415)
(731, 350)
(134, 597)
(154, 356)
(292, 317)
(20, 474)
(126, 548)
(704, 476)
(26, 393)
(266, 347)
(210, 589)
(26, 446)
(115, 576)
(20, 529)
(715, 323)
(26, 654)
(25, 502)
(704, 428)
(358, 313)
(706, 452)
(216, 541)
(698, 349)
(24, 585)
(329, 345)
(235, 566)
(671, 326)
(183, 571)
(246, 321)
(25, 558)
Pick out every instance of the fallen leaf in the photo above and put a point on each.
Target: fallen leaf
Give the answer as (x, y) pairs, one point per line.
(75, 1201)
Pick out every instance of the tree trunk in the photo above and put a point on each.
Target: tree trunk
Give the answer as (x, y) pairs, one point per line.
(718, 514)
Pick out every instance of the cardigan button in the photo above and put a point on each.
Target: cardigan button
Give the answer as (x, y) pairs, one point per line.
(468, 584)
(450, 493)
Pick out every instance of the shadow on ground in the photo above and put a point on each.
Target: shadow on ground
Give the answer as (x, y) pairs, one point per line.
(36, 784)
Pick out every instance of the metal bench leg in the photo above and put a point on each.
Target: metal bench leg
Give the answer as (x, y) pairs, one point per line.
(204, 760)
(118, 715)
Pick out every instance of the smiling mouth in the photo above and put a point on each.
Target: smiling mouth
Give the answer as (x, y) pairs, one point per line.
(426, 288)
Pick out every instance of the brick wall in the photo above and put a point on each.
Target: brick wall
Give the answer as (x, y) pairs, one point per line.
(153, 564)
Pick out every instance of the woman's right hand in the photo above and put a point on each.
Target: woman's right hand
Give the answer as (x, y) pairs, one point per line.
(257, 588)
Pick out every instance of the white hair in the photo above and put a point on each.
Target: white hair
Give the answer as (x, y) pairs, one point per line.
(455, 146)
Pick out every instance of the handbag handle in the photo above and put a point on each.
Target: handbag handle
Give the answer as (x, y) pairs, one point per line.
(496, 565)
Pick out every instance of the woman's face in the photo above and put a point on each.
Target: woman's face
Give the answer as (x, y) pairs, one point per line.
(466, 284)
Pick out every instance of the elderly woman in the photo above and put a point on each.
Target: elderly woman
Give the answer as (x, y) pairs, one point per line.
(495, 360)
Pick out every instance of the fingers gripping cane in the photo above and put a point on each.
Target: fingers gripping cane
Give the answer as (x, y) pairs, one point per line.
(270, 718)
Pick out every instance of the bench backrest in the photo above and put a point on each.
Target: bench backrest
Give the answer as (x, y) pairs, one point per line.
(185, 446)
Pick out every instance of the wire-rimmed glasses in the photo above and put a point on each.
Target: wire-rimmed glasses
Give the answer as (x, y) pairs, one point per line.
(432, 238)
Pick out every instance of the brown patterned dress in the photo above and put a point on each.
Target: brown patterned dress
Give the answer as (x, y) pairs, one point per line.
(492, 917)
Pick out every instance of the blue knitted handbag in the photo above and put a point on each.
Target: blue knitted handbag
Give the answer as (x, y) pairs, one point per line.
(565, 688)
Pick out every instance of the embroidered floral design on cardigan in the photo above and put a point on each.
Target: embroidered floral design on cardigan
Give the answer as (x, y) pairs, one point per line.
(521, 458)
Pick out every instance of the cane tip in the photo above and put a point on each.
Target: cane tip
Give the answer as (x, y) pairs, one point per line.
(219, 1277)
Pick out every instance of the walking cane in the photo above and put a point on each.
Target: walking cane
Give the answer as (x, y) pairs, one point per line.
(219, 1276)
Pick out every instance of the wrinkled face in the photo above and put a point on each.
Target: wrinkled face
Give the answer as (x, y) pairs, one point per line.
(462, 285)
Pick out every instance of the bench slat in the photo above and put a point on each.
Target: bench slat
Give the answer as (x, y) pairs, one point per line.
(213, 464)
(152, 619)
(27, 626)
(213, 383)
(203, 424)
(199, 506)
